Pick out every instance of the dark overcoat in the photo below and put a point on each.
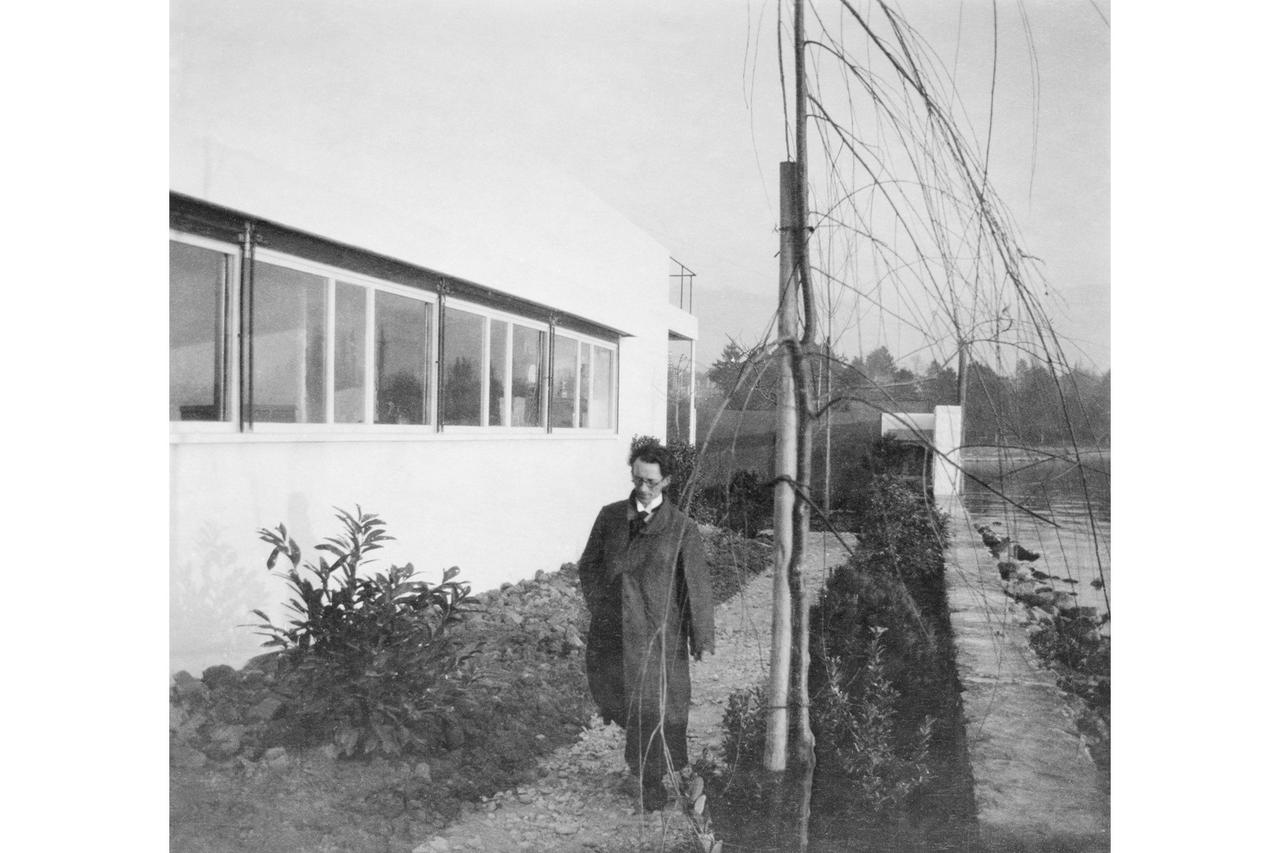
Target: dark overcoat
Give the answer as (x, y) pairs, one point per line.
(649, 596)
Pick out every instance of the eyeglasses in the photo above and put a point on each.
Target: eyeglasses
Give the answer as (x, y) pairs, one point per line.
(641, 481)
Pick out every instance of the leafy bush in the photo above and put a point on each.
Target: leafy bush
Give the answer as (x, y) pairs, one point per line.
(862, 728)
(858, 599)
(743, 504)
(744, 728)
(366, 661)
(901, 531)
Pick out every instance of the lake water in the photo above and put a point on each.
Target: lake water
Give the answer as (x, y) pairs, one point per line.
(1052, 507)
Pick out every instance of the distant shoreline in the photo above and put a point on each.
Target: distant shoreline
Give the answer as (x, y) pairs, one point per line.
(1031, 454)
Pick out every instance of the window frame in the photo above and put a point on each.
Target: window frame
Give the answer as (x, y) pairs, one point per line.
(580, 340)
(512, 320)
(231, 340)
(235, 351)
(332, 275)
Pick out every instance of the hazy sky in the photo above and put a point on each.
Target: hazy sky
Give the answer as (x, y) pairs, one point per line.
(672, 113)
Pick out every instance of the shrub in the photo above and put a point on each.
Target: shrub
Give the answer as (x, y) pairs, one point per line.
(366, 660)
(744, 729)
(743, 504)
(857, 600)
(883, 759)
(902, 533)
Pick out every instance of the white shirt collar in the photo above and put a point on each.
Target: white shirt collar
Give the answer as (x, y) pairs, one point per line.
(657, 502)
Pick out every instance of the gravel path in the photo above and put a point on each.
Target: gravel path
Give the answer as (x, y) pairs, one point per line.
(581, 802)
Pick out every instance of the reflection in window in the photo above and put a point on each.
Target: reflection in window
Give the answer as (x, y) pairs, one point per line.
(498, 366)
(584, 382)
(402, 328)
(197, 334)
(564, 385)
(528, 368)
(288, 345)
(679, 388)
(348, 354)
(463, 359)
(602, 405)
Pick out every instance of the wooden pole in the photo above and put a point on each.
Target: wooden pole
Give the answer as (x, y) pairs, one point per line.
(803, 429)
(784, 472)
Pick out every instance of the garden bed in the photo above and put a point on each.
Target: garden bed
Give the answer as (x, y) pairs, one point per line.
(240, 782)
(883, 675)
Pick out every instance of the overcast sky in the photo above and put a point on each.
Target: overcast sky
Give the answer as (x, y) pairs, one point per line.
(672, 113)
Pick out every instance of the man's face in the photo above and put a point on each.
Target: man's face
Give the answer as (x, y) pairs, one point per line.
(648, 481)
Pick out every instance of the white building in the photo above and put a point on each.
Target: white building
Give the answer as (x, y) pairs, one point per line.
(459, 341)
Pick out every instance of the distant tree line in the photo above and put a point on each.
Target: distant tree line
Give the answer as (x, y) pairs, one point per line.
(1025, 408)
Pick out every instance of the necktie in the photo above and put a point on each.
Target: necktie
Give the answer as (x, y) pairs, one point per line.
(638, 523)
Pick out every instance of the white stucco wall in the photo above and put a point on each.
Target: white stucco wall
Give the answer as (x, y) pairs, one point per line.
(947, 476)
(500, 507)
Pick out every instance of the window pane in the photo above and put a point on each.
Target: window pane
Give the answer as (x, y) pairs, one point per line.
(401, 329)
(498, 373)
(348, 355)
(528, 368)
(679, 388)
(288, 345)
(602, 406)
(563, 381)
(197, 336)
(463, 361)
(584, 383)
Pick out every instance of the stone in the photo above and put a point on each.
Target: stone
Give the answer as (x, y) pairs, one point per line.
(181, 755)
(422, 770)
(435, 845)
(276, 758)
(255, 678)
(1063, 599)
(266, 709)
(219, 676)
(224, 741)
(191, 690)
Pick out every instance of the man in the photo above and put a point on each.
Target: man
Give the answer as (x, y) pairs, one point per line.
(645, 580)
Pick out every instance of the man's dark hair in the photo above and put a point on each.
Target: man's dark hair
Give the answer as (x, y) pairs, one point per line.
(654, 454)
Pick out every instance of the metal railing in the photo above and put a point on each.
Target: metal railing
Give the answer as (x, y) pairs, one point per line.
(680, 286)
